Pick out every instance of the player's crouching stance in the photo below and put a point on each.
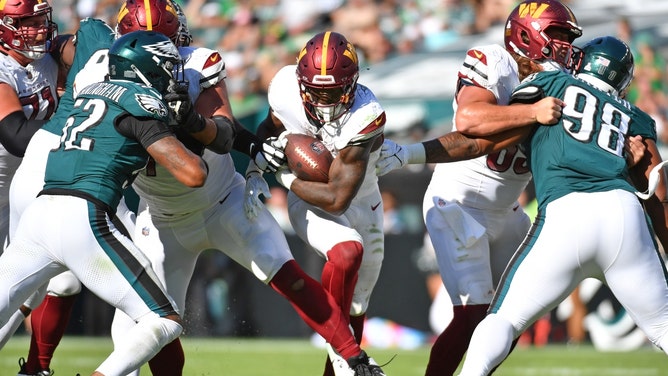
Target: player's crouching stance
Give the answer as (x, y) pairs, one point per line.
(113, 129)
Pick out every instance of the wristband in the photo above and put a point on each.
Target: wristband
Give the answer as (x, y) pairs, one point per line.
(286, 178)
(416, 153)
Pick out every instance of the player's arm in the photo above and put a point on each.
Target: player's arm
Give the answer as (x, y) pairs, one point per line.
(478, 113)
(15, 128)
(62, 51)
(346, 175)
(186, 166)
(656, 205)
(456, 146)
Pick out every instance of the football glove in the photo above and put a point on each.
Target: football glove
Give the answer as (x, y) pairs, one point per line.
(183, 111)
(255, 186)
(271, 154)
(394, 156)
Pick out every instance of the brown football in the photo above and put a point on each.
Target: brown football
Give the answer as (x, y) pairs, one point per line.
(308, 158)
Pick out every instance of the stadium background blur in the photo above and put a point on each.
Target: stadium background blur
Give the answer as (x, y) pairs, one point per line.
(410, 51)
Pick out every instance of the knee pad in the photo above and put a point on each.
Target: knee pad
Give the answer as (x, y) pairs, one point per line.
(158, 330)
(346, 255)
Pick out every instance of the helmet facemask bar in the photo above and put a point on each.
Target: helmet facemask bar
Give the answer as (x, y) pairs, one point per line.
(183, 36)
(327, 102)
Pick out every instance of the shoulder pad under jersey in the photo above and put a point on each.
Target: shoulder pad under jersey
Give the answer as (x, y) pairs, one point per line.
(492, 68)
(205, 64)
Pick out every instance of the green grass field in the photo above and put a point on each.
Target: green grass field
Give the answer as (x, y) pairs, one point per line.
(265, 357)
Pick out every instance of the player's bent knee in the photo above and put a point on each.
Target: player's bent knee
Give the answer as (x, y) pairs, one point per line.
(65, 284)
(159, 330)
(347, 255)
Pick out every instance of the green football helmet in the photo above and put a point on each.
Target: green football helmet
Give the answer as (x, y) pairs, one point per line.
(607, 63)
(146, 57)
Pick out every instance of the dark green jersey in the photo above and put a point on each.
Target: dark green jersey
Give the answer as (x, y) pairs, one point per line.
(584, 152)
(94, 37)
(95, 156)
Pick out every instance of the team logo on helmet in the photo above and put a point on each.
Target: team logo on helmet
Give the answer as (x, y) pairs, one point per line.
(164, 49)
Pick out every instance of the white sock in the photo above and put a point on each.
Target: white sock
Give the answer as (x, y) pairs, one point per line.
(139, 345)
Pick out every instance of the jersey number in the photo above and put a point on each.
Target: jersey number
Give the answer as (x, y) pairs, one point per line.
(71, 139)
(581, 115)
(32, 102)
(503, 160)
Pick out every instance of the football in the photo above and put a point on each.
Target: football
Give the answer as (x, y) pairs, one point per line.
(308, 158)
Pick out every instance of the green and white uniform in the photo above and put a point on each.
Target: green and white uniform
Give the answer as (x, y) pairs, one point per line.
(590, 223)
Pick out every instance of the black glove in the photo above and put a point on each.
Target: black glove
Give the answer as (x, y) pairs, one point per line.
(183, 111)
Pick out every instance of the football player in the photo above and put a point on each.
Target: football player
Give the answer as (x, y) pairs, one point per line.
(341, 219)
(470, 208)
(50, 318)
(85, 51)
(126, 121)
(579, 169)
(176, 223)
(28, 85)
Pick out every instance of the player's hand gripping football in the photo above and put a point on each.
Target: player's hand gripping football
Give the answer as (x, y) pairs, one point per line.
(255, 186)
(271, 154)
(392, 157)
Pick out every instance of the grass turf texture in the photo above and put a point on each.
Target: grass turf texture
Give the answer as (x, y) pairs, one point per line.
(260, 357)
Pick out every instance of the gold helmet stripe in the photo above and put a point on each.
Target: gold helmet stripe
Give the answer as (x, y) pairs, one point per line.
(149, 18)
(325, 49)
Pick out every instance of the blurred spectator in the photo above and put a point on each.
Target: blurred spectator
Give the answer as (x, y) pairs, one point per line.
(393, 222)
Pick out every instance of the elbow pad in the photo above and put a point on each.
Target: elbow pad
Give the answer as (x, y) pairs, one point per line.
(16, 131)
(225, 135)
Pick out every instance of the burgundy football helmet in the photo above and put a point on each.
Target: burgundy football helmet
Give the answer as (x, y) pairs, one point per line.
(327, 71)
(156, 15)
(26, 27)
(526, 31)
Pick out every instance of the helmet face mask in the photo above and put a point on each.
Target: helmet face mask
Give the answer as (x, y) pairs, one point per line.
(607, 63)
(26, 27)
(151, 15)
(327, 72)
(542, 30)
(145, 57)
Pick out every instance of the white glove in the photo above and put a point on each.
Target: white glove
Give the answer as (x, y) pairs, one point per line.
(394, 156)
(255, 186)
(271, 156)
(285, 177)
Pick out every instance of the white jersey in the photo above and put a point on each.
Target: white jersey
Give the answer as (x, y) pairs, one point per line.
(166, 196)
(497, 179)
(35, 85)
(364, 120)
